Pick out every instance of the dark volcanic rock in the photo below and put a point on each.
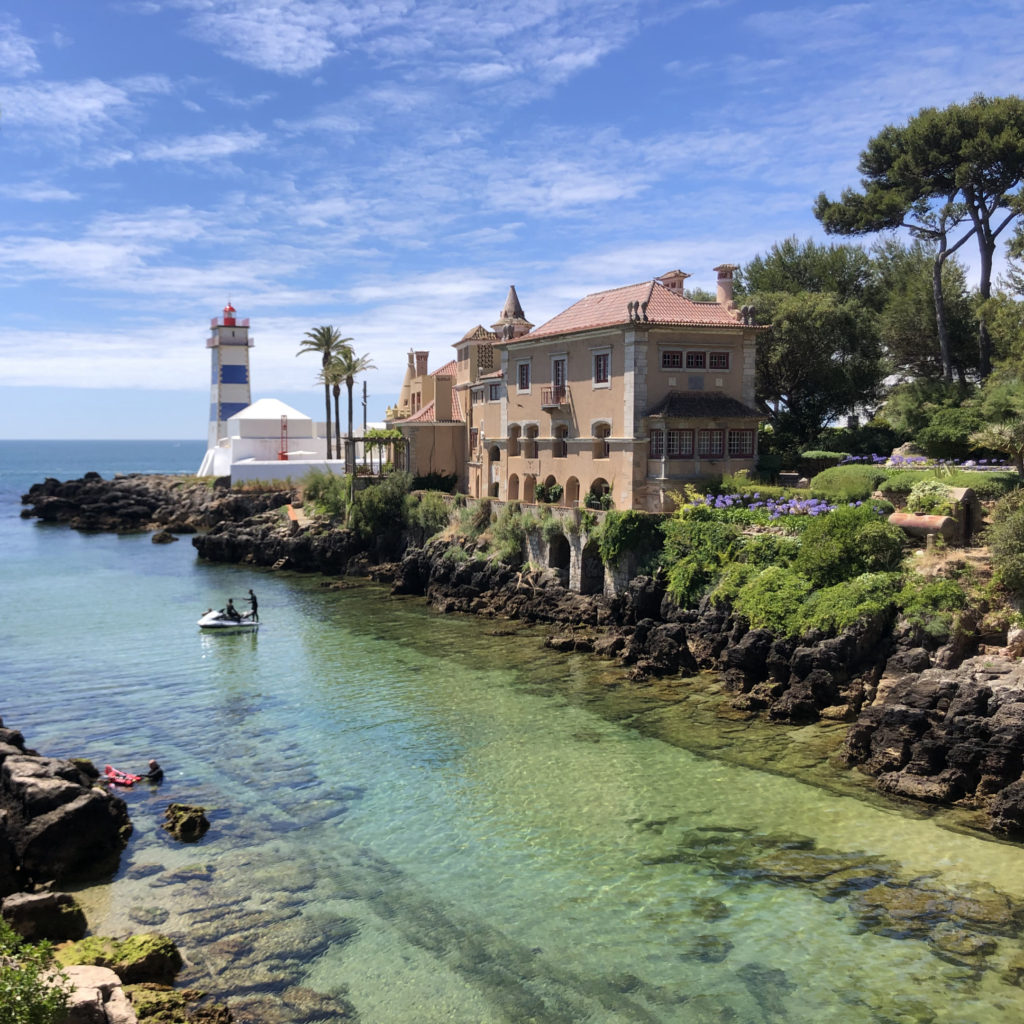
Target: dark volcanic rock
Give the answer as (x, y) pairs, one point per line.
(58, 826)
(186, 822)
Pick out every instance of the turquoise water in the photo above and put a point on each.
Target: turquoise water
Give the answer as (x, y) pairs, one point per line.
(436, 823)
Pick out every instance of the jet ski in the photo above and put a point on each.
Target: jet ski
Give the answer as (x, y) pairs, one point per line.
(213, 621)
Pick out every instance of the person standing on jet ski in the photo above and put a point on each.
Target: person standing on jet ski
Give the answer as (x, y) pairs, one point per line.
(255, 605)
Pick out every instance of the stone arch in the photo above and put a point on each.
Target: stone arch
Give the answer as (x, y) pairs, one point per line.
(560, 554)
(591, 570)
(514, 433)
(571, 496)
(513, 487)
(602, 446)
(529, 488)
(600, 487)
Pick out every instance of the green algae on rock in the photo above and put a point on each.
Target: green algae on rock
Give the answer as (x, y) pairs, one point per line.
(148, 957)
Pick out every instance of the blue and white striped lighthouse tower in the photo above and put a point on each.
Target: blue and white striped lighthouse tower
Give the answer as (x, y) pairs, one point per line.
(229, 345)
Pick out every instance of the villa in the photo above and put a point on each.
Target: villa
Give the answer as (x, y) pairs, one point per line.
(618, 400)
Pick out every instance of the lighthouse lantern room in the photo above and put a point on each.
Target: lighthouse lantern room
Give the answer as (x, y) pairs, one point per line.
(229, 345)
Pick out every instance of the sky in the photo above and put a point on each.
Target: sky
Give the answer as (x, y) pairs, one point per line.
(392, 166)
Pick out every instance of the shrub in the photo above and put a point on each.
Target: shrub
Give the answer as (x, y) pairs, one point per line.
(377, 513)
(544, 493)
(27, 992)
(847, 543)
(329, 493)
(510, 534)
(848, 483)
(697, 546)
(835, 608)
(429, 512)
(988, 486)
(772, 600)
(1005, 538)
(551, 527)
(628, 531)
(734, 577)
(768, 549)
(930, 604)
(930, 497)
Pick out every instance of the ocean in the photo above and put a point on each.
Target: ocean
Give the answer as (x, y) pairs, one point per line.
(437, 819)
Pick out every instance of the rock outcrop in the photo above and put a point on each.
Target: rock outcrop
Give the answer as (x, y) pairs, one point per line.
(54, 824)
(949, 735)
(138, 502)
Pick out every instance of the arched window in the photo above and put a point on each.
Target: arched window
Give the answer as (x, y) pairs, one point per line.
(602, 448)
(513, 440)
(572, 492)
(513, 488)
(529, 488)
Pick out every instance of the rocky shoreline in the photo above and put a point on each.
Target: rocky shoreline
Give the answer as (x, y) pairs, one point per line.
(940, 724)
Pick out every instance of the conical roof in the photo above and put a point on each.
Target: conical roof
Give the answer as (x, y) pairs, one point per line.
(512, 315)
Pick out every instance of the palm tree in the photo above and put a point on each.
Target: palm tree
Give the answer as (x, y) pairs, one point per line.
(349, 366)
(1005, 437)
(327, 342)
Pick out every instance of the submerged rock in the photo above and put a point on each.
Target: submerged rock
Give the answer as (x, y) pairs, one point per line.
(186, 823)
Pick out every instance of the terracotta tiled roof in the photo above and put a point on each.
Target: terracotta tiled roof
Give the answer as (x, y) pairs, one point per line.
(449, 369)
(608, 309)
(428, 414)
(695, 405)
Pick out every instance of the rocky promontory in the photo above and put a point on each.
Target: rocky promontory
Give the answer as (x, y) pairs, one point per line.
(137, 502)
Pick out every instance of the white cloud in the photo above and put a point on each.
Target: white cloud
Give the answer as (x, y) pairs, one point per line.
(17, 53)
(72, 109)
(37, 192)
(197, 148)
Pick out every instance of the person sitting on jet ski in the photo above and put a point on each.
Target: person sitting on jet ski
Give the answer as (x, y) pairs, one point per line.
(231, 611)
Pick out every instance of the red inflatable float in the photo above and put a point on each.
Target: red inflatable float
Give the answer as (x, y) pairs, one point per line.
(120, 778)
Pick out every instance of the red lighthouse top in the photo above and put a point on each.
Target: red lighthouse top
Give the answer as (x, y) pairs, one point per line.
(229, 315)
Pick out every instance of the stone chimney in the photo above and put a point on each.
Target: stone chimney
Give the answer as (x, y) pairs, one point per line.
(421, 363)
(675, 281)
(725, 272)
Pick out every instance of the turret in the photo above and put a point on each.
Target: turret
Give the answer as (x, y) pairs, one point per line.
(229, 345)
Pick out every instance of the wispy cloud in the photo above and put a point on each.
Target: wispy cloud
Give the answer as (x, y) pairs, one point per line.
(198, 148)
(73, 109)
(17, 52)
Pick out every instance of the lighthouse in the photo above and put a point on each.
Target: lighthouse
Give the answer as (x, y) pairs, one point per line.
(229, 345)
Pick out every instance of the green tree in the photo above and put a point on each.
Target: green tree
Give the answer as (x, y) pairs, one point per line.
(946, 176)
(327, 342)
(32, 988)
(907, 325)
(347, 366)
(794, 266)
(821, 358)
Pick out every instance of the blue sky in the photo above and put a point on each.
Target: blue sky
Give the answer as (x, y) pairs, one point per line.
(392, 166)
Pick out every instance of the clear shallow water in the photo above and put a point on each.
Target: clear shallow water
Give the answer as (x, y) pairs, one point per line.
(439, 824)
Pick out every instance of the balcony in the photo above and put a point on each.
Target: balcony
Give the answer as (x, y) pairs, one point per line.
(553, 397)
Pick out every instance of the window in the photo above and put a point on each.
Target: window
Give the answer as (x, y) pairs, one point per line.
(602, 447)
(657, 444)
(560, 447)
(476, 397)
(672, 360)
(696, 360)
(718, 360)
(741, 443)
(474, 436)
(523, 376)
(530, 441)
(558, 372)
(493, 392)
(680, 444)
(711, 443)
(602, 362)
